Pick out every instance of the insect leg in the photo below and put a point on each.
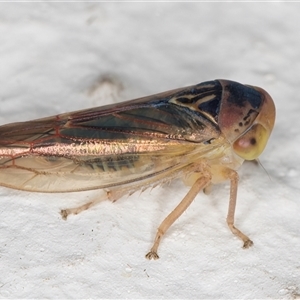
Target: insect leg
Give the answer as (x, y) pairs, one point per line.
(112, 195)
(108, 195)
(76, 210)
(199, 184)
(233, 176)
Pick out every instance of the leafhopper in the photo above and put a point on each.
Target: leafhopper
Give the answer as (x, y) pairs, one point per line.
(201, 133)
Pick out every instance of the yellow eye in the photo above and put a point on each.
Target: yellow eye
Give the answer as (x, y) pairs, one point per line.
(252, 143)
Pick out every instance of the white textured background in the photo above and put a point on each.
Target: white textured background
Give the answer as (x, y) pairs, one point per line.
(57, 57)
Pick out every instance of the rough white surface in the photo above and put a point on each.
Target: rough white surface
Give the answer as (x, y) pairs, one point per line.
(58, 57)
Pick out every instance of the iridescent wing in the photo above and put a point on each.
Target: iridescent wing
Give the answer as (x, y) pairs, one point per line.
(140, 141)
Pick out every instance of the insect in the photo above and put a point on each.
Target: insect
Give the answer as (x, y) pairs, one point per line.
(201, 133)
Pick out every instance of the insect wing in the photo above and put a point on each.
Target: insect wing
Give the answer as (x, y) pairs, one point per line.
(145, 140)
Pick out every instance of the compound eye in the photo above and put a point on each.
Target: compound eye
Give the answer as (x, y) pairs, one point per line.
(252, 143)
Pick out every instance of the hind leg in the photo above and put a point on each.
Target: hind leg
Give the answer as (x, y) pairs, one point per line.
(108, 195)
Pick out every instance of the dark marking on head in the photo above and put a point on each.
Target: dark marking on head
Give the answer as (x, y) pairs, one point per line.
(204, 98)
(248, 116)
(199, 91)
(209, 85)
(247, 122)
(212, 107)
(240, 124)
(185, 100)
(239, 94)
(253, 141)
